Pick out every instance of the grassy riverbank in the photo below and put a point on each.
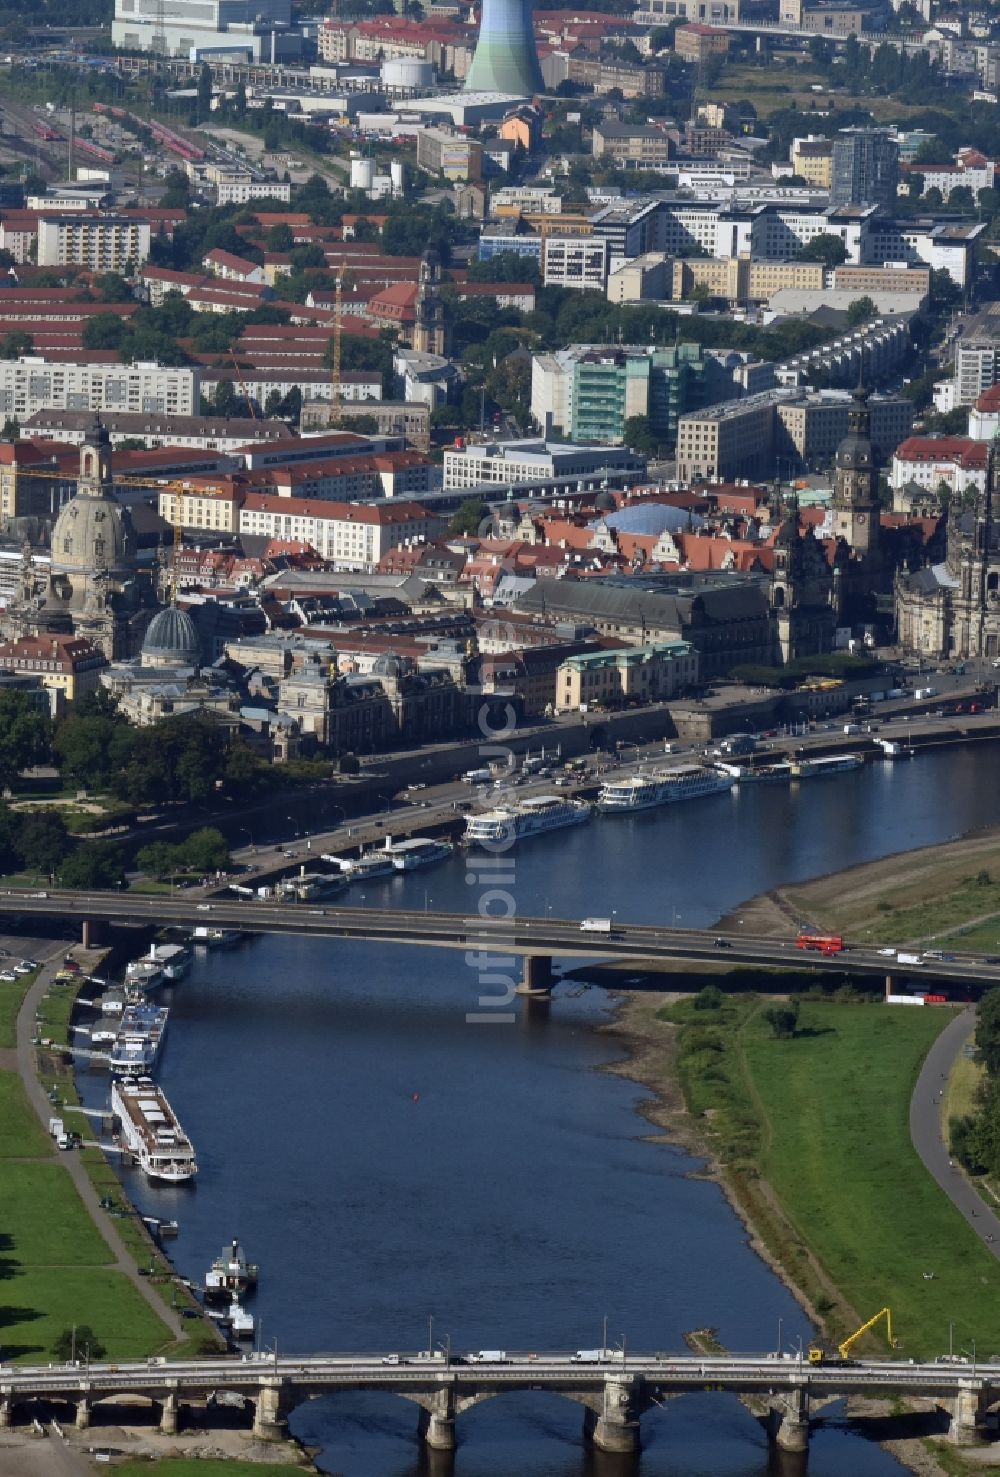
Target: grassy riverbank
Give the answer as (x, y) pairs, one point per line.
(948, 893)
(811, 1137)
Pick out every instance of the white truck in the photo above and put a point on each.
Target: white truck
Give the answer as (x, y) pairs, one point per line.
(596, 925)
(477, 777)
(489, 1356)
(58, 1131)
(587, 1356)
(911, 959)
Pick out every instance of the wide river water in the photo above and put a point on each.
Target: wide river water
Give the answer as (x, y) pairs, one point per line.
(386, 1161)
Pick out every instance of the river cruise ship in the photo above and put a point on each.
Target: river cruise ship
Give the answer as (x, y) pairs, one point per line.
(139, 1040)
(151, 1133)
(807, 769)
(662, 787)
(420, 851)
(525, 818)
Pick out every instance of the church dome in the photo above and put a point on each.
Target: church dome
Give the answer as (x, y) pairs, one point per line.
(171, 639)
(91, 534)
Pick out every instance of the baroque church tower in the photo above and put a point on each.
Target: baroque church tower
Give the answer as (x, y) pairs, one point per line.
(431, 330)
(855, 493)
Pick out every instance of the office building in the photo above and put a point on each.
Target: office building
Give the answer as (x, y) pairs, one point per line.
(588, 392)
(234, 30)
(865, 168)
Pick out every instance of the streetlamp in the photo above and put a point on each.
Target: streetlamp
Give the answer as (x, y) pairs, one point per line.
(779, 1338)
(604, 1336)
(247, 832)
(951, 1340)
(430, 1334)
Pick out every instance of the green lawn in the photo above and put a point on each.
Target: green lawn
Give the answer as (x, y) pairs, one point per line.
(11, 997)
(38, 1304)
(21, 1134)
(836, 1149)
(44, 1219)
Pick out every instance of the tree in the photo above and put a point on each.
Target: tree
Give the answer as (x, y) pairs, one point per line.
(468, 516)
(860, 311)
(206, 850)
(14, 344)
(638, 434)
(104, 331)
(783, 1019)
(158, 860)
(73, 1342)
(960, 198)
(93, 864)
(933, 198)
(825, 248)
(988, 1031)
(41, 841)
(25, 735)
(710, 998)
(279, 238)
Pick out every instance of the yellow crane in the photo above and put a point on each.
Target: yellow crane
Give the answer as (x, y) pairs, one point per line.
(819, 1356)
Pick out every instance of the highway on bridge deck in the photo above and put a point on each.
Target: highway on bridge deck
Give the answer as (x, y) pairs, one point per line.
(751, 1373)
(531, 936)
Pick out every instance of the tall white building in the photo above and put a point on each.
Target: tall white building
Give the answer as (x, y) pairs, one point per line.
(101, 243)
(243, 30)
(29, 385)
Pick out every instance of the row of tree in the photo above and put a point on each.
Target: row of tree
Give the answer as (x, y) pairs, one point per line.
(975, 1137)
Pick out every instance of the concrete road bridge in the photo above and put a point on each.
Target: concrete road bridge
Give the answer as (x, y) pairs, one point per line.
(489, 939)
(614, 1390)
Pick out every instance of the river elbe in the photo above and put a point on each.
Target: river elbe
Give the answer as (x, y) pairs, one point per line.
(386, 1161)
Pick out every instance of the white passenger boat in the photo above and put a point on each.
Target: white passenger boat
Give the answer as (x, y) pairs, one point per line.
(758, 774)
(230, 1273)
(805, 769)
(310, 885)
(145, 973)
(419, 851)
(523, 818)
(151, 1133)
(662, 787)
(174, 960)
(139, 1039)
(368, 864)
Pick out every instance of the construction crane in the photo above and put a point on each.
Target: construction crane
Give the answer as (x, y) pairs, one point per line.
(246, 394)
(819, 1356)
(336, 386)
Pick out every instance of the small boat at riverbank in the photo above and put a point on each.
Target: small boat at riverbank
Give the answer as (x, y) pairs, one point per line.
(230, 1273)
(807, 769)
(151, 1133)
(759, 774)
(418, 851)
(216, 938)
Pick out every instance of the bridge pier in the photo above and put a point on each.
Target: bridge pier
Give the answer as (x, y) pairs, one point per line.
(269, 1414)
(967, 1415)
(6, 1414)
(436, 1422)
(170, 1415)
(615, 1427)
(536, 978)
(83, 1415)
(788, 1427)
(92, 933)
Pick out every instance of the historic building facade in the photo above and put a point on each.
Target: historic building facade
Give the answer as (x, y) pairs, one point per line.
(952, 609)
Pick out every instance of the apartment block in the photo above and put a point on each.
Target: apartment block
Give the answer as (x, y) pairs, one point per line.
(695, 42)
(101, 243)
(452, 154)
(632, 147)
(811, 159)
(29, 385)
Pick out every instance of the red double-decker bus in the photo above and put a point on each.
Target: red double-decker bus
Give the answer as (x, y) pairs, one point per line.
(825, 943)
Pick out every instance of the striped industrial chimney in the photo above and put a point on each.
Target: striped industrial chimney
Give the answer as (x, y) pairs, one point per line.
(505, 59)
